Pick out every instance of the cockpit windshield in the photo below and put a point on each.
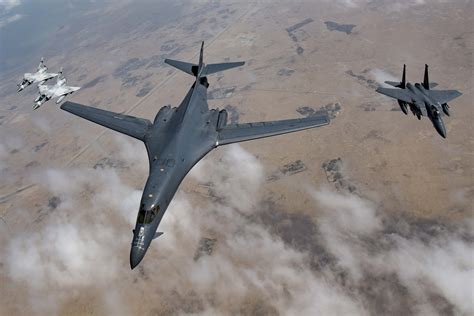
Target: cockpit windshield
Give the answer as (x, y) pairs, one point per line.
(147, 216)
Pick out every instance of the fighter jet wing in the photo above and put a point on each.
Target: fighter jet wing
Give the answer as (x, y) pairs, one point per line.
(126, 124)
(243, 132)
(64, 90)
(443, 96)
(399, 94)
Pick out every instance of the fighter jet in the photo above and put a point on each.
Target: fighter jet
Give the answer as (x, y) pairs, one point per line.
(59, 90)
(177, 139)
(421, 99)
(40, 76)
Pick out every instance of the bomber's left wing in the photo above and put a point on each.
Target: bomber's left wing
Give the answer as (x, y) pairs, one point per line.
(248, 131)
(399, 94)
(443, 96)
(126, 124)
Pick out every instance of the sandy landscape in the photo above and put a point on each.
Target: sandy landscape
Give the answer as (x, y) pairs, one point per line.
(370, 215)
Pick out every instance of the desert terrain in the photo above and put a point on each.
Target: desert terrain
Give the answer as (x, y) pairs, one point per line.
(369, 215)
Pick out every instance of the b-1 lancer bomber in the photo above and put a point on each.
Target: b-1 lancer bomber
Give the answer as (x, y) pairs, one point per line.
(421, 99)
(40, 76)
(59, 90)
(177, 139)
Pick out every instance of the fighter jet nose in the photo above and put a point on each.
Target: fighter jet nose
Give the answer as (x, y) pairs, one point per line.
(136, 255)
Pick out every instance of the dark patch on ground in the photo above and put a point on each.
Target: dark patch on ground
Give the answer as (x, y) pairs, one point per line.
(220, 93)
(13, 107)
(295, 33)
(288, 170)
(54, 202)
(369, 107)
(144, 90)
(132, 81)
(14, 151)
(369, 83)
(130, 65)
(297, 231)
(396, 109)
(333, 170)
(32, 164)
(285, 72)
(344, 28)
(40, 146)
(205, 248)
(233, 117)
(331, 109)
(377, 135)
(107, 162)
(94, 82)
(299, 25)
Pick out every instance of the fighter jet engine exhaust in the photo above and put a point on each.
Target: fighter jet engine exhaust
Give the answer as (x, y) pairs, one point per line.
(403, 106)
(445, 107)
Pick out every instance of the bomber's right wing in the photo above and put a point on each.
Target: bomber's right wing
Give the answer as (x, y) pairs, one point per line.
(126, 124)
(399, 94)
(243, 132)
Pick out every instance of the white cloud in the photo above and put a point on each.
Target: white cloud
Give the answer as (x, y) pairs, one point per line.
(10, 19)
(9, 4)
(83, 248)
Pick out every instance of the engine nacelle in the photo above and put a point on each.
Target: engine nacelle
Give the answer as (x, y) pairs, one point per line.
(403, 106)
(445, 107)
(222, 119)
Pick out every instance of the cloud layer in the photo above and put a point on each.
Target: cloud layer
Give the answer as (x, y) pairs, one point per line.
(368, 262)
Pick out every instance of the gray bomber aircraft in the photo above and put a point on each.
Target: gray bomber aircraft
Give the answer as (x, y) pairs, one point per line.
(40, 76)
(177, 139)
(421, 99)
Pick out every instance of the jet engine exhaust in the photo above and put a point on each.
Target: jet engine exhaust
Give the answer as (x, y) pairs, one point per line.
(403, 107)
(445, 107)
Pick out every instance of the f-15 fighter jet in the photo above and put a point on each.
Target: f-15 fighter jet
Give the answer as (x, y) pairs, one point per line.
(59, 90)
(421, 99)
(177, 139)
(40, 76)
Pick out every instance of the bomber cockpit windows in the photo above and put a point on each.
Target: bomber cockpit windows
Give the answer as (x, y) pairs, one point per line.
(146, 217)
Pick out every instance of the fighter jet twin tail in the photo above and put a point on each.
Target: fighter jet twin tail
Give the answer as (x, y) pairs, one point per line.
(59, 90)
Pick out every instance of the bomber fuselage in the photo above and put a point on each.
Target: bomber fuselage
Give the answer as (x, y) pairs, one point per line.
(177, 140)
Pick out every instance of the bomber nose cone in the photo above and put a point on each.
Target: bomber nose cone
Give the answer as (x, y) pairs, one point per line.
(136, 255)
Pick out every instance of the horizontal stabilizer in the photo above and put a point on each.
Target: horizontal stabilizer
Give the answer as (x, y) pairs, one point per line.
(188, 68)
(157, 234)
(393, 83)
(125, 124)
(213, 68)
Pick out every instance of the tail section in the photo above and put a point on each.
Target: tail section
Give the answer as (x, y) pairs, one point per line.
(404, 77)
(60, 78)
(401, 84)
(426, 79)
(201, 70)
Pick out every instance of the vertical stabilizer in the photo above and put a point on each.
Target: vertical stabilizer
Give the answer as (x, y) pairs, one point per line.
(426, 79)
(404, 77)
